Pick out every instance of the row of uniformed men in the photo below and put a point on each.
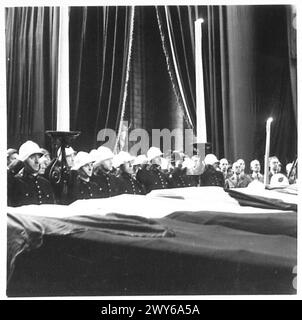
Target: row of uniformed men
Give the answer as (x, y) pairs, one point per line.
(90, 175)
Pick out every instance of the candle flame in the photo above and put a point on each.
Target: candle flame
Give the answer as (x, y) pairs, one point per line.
(270, 119)
(200, 20)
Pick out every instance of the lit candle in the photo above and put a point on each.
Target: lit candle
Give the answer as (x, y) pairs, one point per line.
(63, 72)
(267, 148)
(201, 129)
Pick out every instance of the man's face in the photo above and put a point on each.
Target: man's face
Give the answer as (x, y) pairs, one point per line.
(107, 164)
(230, 171)
(32, 163)
(157, 161)
(275, 165)
(242, 164)
(128, 167)
(70, 160)
(11, 158)
(87, 170)
(255, 166)
(236, 168)
(215, 165)
(223, 165)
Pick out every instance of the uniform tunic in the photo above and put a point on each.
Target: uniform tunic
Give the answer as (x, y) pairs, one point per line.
(153, 178)
(30, 189)
(108, 184)
(130, 185)
(179, 179)
(212, 177)
(84, 190)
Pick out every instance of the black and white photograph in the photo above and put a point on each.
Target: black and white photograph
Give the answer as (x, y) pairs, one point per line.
(152, 150)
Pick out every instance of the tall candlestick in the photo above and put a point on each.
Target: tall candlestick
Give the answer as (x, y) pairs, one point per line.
(63, 72)
(201, 129)
(267, 149)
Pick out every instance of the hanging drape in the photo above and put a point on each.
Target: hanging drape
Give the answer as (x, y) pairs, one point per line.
(249, 59)
(247, 77)
(292, 53)
(176, 26)
(100, 38)
(31, 66)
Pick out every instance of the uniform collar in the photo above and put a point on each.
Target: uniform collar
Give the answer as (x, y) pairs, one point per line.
(102, 172)
(126, 175)
(155, 167)
(27, 174)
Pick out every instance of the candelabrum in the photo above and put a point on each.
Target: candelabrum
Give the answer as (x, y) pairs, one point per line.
(58, 170)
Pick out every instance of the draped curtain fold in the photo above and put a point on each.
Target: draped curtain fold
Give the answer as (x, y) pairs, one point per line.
(249, 60)
(176, 25)
(31, 66)
(249, 75)
(100, 38)
(181, 39)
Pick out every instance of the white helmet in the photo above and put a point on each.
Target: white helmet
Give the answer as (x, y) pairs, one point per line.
(81, 159)
(94, 154)
(153, 152)
(27, 149)
(68, 152)
(141, 159)
(121, 158)
(188, 163)
(165, 165)
(104, 153)
(279, 180)
(210, 159)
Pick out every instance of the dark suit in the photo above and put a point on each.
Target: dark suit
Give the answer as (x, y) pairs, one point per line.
(238, 181)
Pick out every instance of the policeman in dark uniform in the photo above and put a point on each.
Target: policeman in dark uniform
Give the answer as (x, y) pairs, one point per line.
(182, 176)
(83, 188)
(129, 184)
(152, 177)
(211, 176)
(108, 183)
(30, 187)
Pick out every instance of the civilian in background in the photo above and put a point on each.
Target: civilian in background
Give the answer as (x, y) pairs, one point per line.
(255, 168)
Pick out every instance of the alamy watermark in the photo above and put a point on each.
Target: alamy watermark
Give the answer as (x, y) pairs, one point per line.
(140, 140)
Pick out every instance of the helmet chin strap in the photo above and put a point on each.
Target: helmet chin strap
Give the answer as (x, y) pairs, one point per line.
(83, 175)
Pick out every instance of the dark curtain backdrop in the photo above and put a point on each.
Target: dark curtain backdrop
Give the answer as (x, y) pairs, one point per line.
(181, 24)
(31, 62)
(249, 59)
(99, 43)
(249, 75)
